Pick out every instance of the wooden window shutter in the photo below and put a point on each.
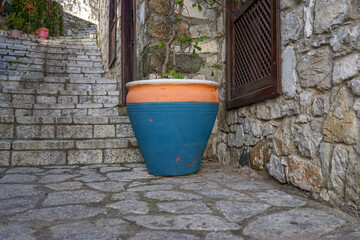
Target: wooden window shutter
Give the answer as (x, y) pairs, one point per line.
(112, 32)
(253, 51)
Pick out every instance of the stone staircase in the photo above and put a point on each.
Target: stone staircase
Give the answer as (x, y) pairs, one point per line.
(92, 29)
(56, 108)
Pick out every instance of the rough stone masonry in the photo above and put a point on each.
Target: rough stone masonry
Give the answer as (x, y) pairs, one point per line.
(309, 136)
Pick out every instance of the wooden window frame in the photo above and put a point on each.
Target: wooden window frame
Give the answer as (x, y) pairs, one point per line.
(265, 88)
(128, 45)
(112, 32)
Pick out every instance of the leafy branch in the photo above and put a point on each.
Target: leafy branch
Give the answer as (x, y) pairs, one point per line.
(177, 35)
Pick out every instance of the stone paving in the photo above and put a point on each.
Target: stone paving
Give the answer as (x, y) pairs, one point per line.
(125, 202)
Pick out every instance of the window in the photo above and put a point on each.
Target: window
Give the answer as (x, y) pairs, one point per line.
(253, 51)
(112, 32)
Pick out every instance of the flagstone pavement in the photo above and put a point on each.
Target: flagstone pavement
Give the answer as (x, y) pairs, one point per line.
(125, 202)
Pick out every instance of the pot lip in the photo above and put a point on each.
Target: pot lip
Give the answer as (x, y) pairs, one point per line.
(172, 81)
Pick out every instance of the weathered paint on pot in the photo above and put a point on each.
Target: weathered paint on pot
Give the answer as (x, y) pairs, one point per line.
(172, 122)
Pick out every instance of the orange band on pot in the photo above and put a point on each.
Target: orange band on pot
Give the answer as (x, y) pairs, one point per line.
(172, 93)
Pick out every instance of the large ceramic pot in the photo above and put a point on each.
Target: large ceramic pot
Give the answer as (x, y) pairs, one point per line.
(43, 33)
(172, 121)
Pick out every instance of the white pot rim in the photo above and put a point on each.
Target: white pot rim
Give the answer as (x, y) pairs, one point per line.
(172, 81)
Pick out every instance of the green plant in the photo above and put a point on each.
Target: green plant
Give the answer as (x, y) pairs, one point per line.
(179, 36)
(45, 13)
(18, 15)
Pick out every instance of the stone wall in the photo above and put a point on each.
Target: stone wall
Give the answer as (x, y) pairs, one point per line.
(115, 71)
(193, 23)
(309, 136)
(87, 10)
(73, 25)
(79, 15)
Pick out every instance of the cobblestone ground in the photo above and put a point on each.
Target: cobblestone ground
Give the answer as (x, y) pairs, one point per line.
(125, 202)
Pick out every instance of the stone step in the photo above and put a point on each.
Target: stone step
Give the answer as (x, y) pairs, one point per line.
(20, 56)
(64, 128)
(54, 86)
(57, 92)
(17, 44)
(59, 110)
(60, 80)
(67, 152)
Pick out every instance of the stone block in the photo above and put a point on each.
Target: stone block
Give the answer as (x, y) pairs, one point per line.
(86, 99)
(40, 145)
(123, 156)
(346, 68)
(191, 12)
(79, 87)
(100, 144)
(52, 86)
(5, 145)
(54, 106)
(259, 156)
(22, 112)
(342, 124)
(339, 165)
(325, 155)
(120, 119)
(283, 144)
(6, 111)
(355, 86)
(329, 13)
(34, 120)
(38, 158)
(85, 156)
(289, 75)
(352, 185)
(46, 99)
(75, 131)
(106, 99)
(303, 174)
(107, 81)
(307, 140)
(5, 97)
(23, 98)
(7, 119)
(35, 131)
(51, 113)
(4, 158)
(6, 131)
(108, 112)
(315, 68)
(92, 70)
(154, 6)
(292, 25)
(74, 113)
(124, 130)
(104, 131)
(113, 93)
(104, 87)
(223, 153)
(89, 105)
(276, 168)
(91, 120)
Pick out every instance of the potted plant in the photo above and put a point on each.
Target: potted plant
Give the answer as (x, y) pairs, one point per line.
(17, 18)
(173, 118)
